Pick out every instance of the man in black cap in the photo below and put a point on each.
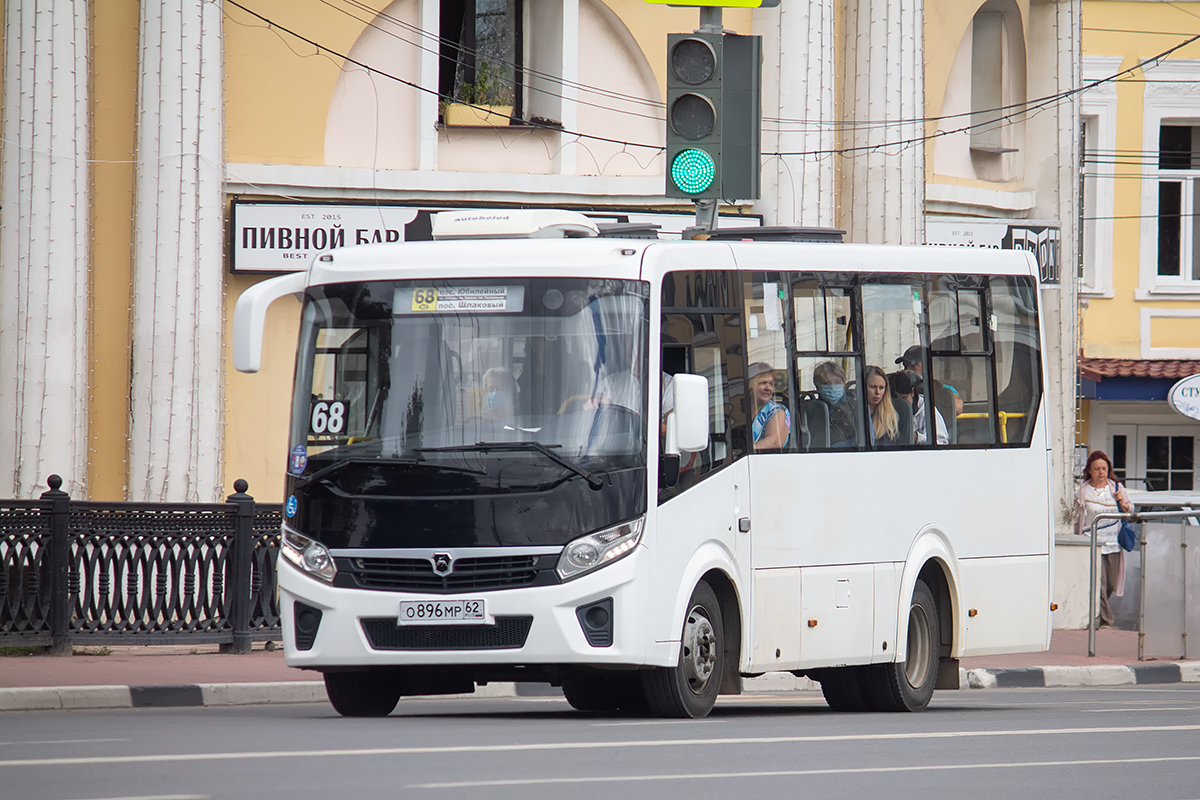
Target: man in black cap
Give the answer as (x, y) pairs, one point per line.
(907, 388)
(945, 396)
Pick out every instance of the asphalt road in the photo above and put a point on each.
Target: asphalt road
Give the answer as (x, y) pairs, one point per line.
(1120, 742)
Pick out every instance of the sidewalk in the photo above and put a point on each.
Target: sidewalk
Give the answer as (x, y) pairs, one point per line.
(172, 675)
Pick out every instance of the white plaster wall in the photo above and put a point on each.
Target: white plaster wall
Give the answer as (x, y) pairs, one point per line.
(373, 119)
(610, 58)
(952, 152)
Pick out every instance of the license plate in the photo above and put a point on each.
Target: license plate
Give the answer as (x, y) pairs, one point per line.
(442, 612)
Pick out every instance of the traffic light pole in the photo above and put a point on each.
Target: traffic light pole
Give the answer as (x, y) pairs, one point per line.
(711, 21)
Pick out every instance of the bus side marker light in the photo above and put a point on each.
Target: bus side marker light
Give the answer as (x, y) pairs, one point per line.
(1054, 606)
(812, 623)
(973, 612)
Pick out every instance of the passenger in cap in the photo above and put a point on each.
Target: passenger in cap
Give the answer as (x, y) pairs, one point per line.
(945, 396)
(910, 385)
(771, 425)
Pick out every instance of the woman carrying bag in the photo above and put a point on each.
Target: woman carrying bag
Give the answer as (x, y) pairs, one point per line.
(1098, 494)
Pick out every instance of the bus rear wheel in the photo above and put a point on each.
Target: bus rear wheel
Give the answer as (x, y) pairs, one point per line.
(369, 693)
(908, 685)
(845, 688)
(689, 689)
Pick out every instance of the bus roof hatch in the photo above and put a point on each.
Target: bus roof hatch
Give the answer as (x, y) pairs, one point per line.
(489, 223)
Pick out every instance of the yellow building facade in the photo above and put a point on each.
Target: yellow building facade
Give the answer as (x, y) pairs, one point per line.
(1140, 271)
(155, 158)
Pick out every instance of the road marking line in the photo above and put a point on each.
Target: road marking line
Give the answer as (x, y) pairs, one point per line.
(62, 741)
(658, 722)
(552, 746)
(797, 772)
(1138, 708)
(158, 797)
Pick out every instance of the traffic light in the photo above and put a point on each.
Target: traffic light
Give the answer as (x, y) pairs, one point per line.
(714, 112)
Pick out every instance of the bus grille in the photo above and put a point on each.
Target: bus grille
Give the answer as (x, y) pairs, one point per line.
(508, 633)
(478, 574)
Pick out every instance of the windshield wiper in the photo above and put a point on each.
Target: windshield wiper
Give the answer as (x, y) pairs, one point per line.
(337, 466)
(500, 447)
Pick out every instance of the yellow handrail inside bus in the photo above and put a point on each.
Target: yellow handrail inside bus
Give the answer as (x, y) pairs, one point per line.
(1003, 416)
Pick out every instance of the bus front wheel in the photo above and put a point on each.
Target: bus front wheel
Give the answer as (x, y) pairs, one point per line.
(908, 685)
(689, 689)
(369, 693)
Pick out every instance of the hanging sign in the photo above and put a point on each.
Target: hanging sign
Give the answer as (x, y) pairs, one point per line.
(1184, 397)
(1043, 239)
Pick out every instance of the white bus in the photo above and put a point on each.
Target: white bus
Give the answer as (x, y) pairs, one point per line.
(515, 457)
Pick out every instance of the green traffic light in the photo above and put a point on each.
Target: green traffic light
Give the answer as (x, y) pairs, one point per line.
(693, 171)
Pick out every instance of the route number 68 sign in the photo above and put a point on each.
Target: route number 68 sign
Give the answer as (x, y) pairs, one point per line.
(328, 417)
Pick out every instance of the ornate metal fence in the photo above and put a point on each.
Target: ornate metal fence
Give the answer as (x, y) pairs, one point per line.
(138, 573)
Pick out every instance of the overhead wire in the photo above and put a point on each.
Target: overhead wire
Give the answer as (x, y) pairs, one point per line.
(834, 125)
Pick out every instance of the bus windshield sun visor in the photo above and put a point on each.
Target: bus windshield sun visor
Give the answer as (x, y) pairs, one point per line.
(338, 466)
(513, 447)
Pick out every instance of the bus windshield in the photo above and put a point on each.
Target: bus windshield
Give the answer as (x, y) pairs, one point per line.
(471, 376)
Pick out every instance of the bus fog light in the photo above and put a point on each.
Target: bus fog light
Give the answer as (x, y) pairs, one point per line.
(308, 554)
(600, 548)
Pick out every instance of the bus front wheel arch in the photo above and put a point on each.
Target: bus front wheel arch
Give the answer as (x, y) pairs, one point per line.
(689, 689)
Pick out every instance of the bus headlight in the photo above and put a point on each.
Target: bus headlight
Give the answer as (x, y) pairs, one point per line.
(597, 549)
(308, 555)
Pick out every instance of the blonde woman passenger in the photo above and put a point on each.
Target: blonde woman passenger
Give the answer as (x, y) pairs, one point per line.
(885, 423)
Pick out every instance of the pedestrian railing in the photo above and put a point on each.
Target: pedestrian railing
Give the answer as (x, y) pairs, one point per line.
(1170, 578)
(75, 572)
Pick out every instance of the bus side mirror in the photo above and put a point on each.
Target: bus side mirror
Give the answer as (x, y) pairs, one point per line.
(250, 317)
(691, 414)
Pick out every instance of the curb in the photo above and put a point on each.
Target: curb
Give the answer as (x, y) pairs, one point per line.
(67, 698)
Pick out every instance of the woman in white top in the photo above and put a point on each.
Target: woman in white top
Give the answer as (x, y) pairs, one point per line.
(1099, 493)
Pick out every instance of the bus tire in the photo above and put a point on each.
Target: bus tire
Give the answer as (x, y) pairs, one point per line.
(373, 693)
(590, 693)
(607, 691)
(908, 685)
(845, 688)
(689, 689)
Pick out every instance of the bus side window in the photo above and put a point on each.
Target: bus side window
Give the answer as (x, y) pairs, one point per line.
(769, 407)
(962, 361)
(708, 344)
(1018, 357)
(829, 404)
(893, 307)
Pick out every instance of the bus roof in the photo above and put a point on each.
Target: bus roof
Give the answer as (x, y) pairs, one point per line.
(633, 259)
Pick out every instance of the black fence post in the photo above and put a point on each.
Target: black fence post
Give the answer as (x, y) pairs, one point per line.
(60, 566)
(238, 589)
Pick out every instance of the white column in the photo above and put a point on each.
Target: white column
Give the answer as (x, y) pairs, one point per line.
(44, 236)
(799, 113)
(1056, 66)
(883, 169)
(177, 397)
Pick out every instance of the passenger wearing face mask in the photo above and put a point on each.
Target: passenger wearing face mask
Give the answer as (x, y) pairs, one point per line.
(500, 394)
(830, 382)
